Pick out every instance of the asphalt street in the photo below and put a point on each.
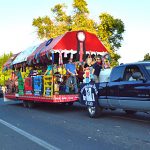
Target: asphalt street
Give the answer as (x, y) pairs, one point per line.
(49, 126)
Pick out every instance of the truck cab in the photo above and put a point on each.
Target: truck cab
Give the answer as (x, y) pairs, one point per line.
(128, 89)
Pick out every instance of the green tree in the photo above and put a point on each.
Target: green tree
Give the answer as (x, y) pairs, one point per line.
(4, 75)
(62, 20)
(80, 18)
(109, 30)
(46, 28)
(147, 56)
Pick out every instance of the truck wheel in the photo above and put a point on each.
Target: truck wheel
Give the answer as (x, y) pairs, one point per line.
(25, 104)
(30, 104)
(94, 111)
(130, 112)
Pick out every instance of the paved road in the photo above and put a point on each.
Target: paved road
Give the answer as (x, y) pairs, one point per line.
(69, 128)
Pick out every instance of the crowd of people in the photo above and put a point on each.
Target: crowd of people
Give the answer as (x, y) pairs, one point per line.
(89, 71)
(71, 74)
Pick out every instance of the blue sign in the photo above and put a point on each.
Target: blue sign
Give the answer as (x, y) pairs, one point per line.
(37, 85)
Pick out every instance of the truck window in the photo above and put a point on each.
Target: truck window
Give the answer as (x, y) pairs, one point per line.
(129, 71)
(147, 67)
(117, 73)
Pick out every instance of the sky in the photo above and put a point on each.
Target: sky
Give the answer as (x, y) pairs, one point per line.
(17, 32)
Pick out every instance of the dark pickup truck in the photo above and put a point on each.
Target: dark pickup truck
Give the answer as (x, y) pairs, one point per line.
(128, 88)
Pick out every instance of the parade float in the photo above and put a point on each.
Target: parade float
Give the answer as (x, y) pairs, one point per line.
(39, 73)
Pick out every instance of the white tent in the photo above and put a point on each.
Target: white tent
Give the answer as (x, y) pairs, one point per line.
(22, 57)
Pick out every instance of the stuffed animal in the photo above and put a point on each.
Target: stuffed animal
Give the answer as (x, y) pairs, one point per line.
(88, 76)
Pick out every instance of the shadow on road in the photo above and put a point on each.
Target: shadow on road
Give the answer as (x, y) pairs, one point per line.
(60, 108)
(82, 111)
(121, 115)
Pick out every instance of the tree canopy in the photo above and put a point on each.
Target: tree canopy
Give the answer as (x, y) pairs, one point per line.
(147, 56)
(4, 75)
(110, 30)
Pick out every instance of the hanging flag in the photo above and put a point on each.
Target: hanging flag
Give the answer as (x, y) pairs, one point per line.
(81, 52)
(65, 54)
(71, 56)
(90, 55)
(52, 56)
(60, 58)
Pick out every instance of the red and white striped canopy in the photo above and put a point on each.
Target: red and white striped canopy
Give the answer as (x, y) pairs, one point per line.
(68, 42)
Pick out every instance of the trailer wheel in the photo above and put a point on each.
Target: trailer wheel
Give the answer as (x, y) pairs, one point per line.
(25, 104)
(31, 104)
(94, 111)
(70, 103)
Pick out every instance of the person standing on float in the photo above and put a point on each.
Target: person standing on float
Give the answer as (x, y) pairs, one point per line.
(96, 69)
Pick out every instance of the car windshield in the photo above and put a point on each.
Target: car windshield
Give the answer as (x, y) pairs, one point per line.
(147, 67)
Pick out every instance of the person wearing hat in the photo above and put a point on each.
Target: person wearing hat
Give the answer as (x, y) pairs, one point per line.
(71, 71)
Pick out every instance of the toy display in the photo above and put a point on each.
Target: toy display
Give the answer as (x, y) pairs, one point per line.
(37, 85)
(20, 86)
(48, 85)
(28, 86)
